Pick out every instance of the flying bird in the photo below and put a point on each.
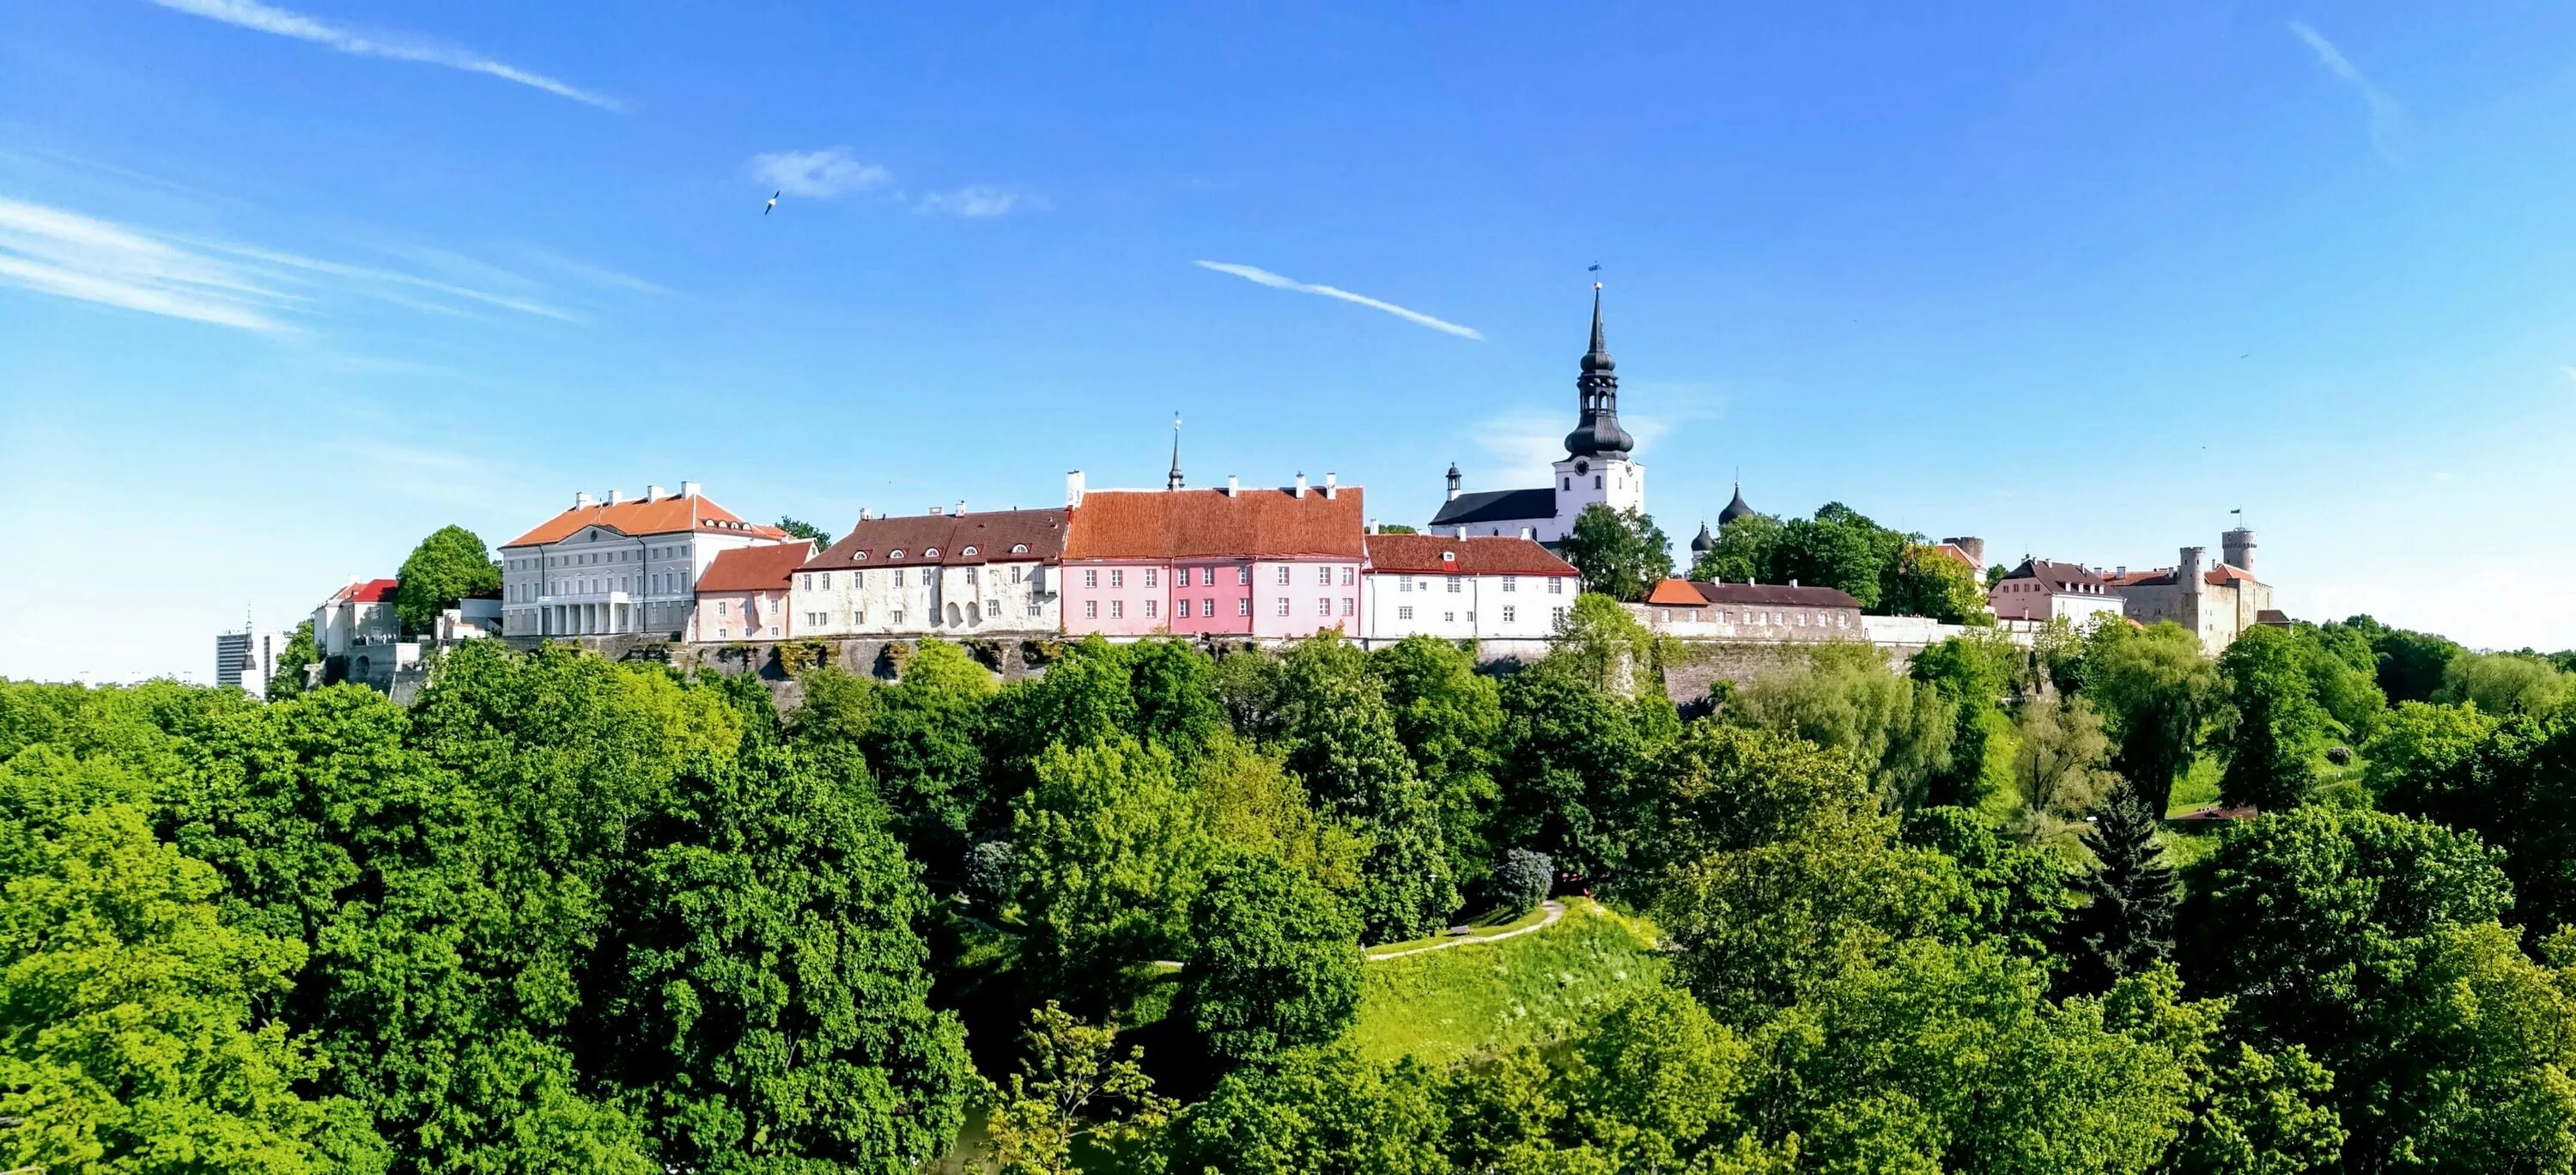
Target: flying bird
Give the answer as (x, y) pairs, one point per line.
(773, 203)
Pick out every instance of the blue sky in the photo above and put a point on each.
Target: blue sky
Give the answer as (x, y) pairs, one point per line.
(284, 287)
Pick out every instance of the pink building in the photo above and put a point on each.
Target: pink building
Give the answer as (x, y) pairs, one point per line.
(743, 595)
(1267, 564)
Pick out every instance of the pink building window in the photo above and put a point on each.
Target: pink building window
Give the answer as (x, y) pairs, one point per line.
(1283, 600)
(1117, 608)
(1207, 607)
(1242, 575)
(1181, 610)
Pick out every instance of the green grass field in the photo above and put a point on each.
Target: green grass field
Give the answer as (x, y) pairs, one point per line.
(1447, 1005)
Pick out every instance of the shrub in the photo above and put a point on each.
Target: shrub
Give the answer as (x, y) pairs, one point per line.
(989, 878)
(1523, 880)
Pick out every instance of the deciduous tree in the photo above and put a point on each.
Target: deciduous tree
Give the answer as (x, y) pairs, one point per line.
(1621, 553)
(1276, 960)
(450, 565)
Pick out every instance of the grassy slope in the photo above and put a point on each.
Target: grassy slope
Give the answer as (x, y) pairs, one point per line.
(1447, 1005)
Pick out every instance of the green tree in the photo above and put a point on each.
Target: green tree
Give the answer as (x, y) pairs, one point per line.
(1276, 964)
(2506, 683)
(2424, 760)
(300, 653)
(2057, 763)
(1845, 695)
(1109, 857)
(2513, 783)
(800, 529)
(2016, 896)
(1448, 717)
(1574, 761)
(1973, 674)
(1315, 1112)
(1339, 734)
(1648, 1083)
(1922, 581)
(1599, 642)
(1621, 553)
(2155, 689)
(2343, 674)
(925, 739)
(1250, 803)
(1177, 705)
(450, 565)
(1744, 550)
(1839, 548)
(2412, 665)
(2125, 925)
(822, 1053)
(1071, 1085)
(2274, 732)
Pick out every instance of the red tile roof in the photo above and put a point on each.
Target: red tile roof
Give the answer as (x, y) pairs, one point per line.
(373, 591)
(1677, 591)
(763, 568)
(1423, 554)
(1785, 595)
(1212, 524)
(665, 515)
(1957, 552)
(2219, 576)
(949, 540)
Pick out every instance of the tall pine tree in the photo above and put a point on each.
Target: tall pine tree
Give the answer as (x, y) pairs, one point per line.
(2126, 923)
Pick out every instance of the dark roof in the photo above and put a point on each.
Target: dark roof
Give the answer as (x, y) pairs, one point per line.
(763, 568)
(991, 534)
(2053, 573)
(1703, 541)
(1773, 593)
(1734, 509)
(1496, 506)
(1421, 554)
(1216, 524)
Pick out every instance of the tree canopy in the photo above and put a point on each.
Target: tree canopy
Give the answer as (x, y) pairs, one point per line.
(450, 565)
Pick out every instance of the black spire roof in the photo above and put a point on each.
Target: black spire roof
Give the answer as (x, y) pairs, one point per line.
(1735, 509)
(1597, 390)
(1703, 541)
(1174, 481)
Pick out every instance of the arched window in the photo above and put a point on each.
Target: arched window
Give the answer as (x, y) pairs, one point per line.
(1019, 548)
(970, 549)
(896, 553)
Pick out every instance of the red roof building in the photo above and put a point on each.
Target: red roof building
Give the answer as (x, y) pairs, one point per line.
(1268, 563)
(956, 573)
(744, 594)
(1465, 588)
(624, 565)
(1750, 611)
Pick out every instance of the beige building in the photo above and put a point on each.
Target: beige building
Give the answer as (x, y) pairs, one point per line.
(952, 574)
(2217, 602)
(1704, 610)
(2045, 589)
(622, 565)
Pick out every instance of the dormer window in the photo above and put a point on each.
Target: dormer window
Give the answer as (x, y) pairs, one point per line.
(1448, 556)
(932, 553)
(970, 550)
(896, 553)
(858, 555)
(1019, 548)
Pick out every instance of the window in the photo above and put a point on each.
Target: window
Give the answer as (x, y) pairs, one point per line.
(1181, 610)
(1283, 575)
(1283, 605)
(1020, 549)
(773, 630)
(1404, 613)
(898, 577)
(1323, 577)
(1150, 576)
(1507, 614)
(970, 548)
(896, 618)
(1323, 606)
(1207, 607)
(1556, 616)
(1117, 578)
(1090, 578)
(1348, 603)
(1456, 582)
(1091, 609)
(1556, 585)
(827, 580)
(1664, 615)
(1151, 607)
(720, 607)
(1511, 583)
(1565, 483)
(896, 553)
(1449, 617)
(1207, 577)
(1243, 606)
(1346, 576)
(1243, 575)
(1404, 583)
(1596, 481)
(720, 632)
(1117, 609)
(1033, 607)
(1015, 573)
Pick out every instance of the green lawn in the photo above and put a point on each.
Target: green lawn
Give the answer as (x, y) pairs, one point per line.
(1481, 926)
(1443, 1006)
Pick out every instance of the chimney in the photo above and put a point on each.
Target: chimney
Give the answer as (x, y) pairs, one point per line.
(1233, 485)
(1372, 526)
(616, 496)
(936, 511)
(1301, 485)
(1073, 488)
(961, 507)
(653, 493)
(1529, 533)
(1462, 532)
(581, 500)
(1793, 581)
(863, 513)
(2122, 571)
(688, 489)
(1331, 484)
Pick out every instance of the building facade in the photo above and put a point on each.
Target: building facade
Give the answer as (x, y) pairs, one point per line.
(1464, 587)
(744, 594)
(248, 659)
(1261, 564)
(1597, 468)
(936, 573)
(2044, 589)
(2216, 603)
(625, 565)
(1707, 610)
(358, 615)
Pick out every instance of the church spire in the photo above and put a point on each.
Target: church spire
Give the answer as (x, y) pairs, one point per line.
(1174, 481)
(1597, 395)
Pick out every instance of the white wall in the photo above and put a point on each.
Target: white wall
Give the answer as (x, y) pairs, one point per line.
(993, 597)
(1475, 611)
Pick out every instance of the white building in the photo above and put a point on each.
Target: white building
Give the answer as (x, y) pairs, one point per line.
(1463, 588)
(943, 573)
(1596, 468)
(623, 565)
(2044, 589)
(359, 615)
(248, 659)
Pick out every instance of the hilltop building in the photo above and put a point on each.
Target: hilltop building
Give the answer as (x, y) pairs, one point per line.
(941, 572)
(625, 565)
(1263, 563)
(2217, 603)
(1708, 610)
(2044, 589)
(1460, 587)
(1596, 468)
(357, 615)
(743, 595)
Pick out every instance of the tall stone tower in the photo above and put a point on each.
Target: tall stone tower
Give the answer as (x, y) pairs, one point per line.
(2236, 549)
(1596, 466)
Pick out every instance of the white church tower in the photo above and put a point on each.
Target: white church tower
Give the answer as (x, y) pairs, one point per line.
(1596, 466)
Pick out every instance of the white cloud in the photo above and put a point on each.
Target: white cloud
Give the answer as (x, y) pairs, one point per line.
(224, 283)
(981, 200)
(818, 175)
(251, 14)
(1276, 281)
(1524, 443)
(2387, 119)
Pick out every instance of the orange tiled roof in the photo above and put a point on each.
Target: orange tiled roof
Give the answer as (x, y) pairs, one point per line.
(763, 568)
(2219, 576)
(666, 515)
(1212, 524)
(1677, 591)
(1421, 554)
(373, 591)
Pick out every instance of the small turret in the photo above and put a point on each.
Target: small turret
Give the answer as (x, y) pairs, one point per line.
(1453, 481)
(1734, 509)
(1703, 542)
